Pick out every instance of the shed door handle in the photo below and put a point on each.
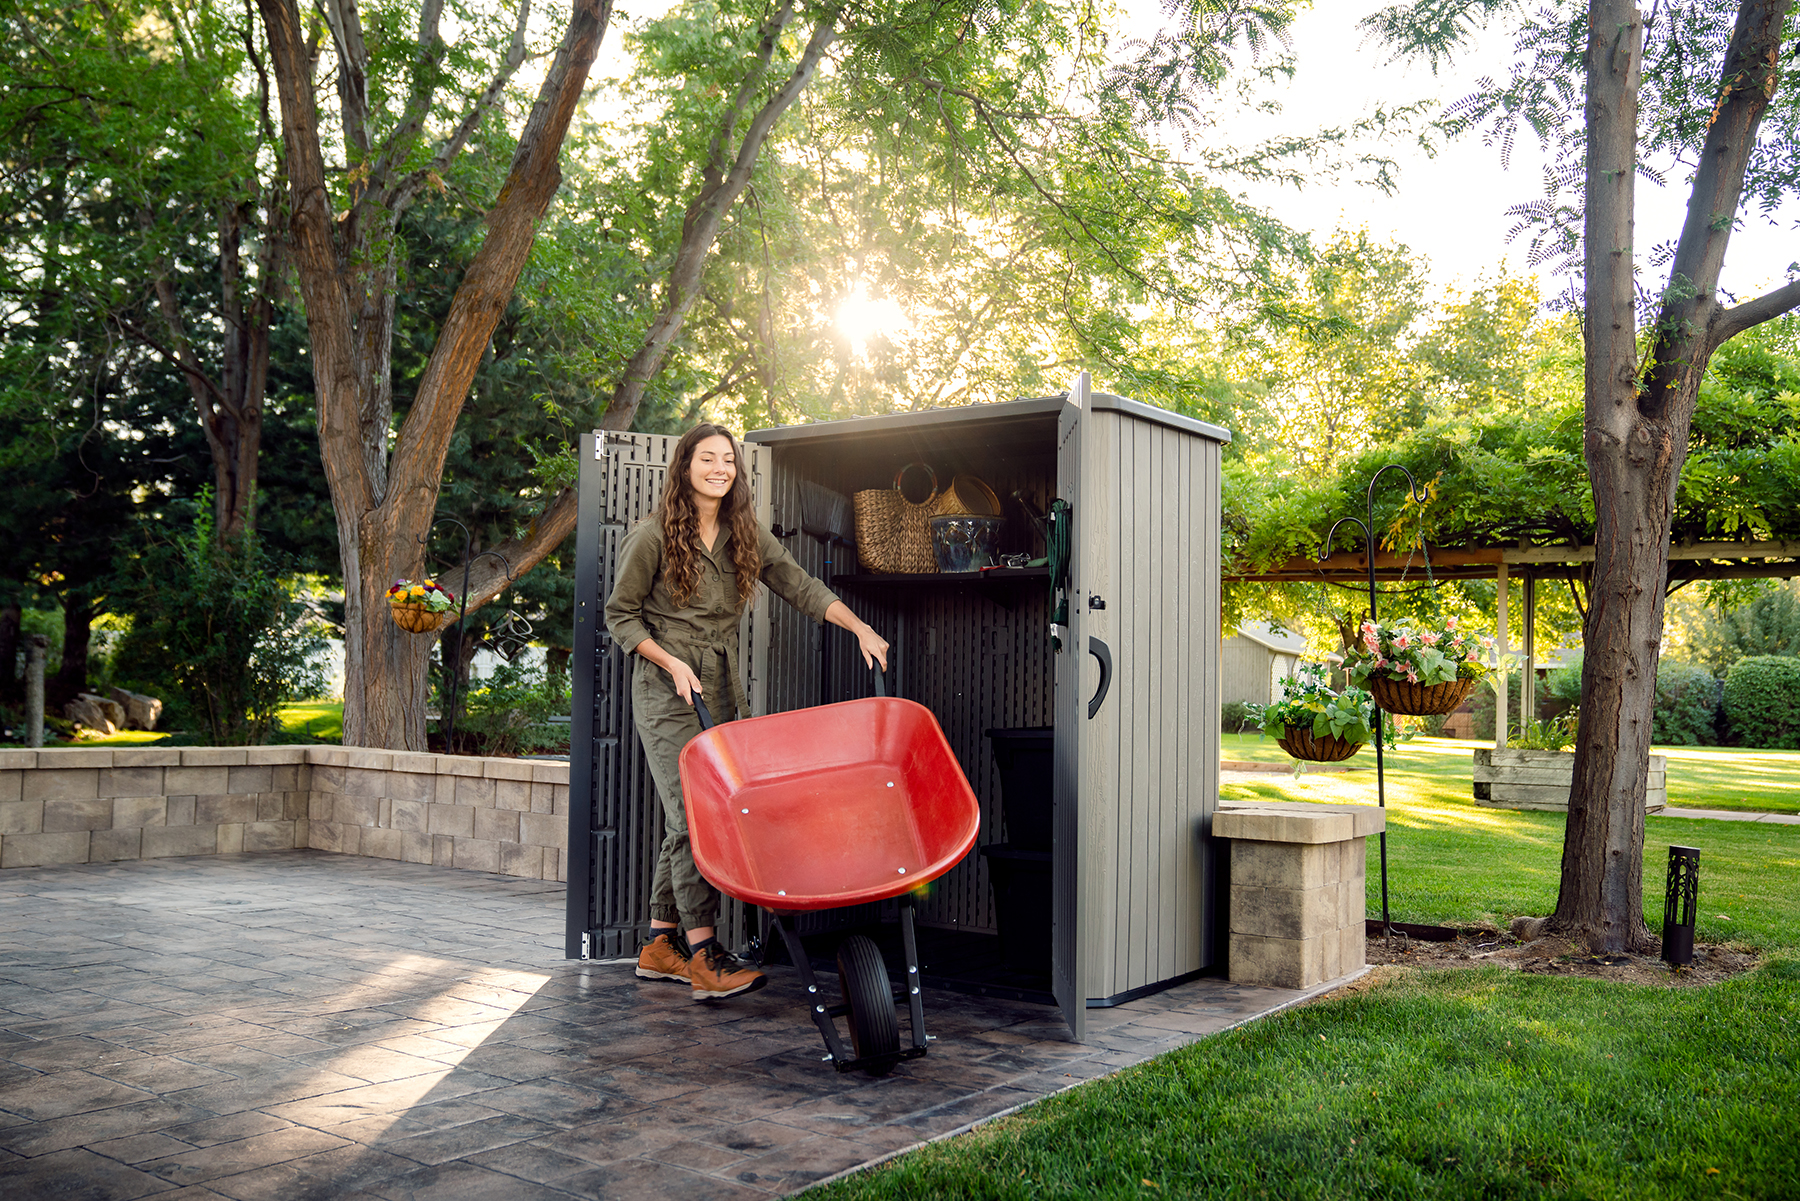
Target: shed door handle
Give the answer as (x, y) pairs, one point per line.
(1102, 652)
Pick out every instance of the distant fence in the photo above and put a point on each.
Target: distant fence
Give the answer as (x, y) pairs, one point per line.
(105, 804)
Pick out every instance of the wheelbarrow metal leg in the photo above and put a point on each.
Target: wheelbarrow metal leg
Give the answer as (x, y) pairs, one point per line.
(815, 1002)
(915, 1003)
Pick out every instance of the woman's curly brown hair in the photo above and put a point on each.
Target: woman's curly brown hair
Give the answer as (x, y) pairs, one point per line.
(681, 520)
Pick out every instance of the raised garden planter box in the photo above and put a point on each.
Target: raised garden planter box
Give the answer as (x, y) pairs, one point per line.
(1514, 779)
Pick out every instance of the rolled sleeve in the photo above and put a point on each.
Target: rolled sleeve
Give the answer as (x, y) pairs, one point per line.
(790, 581)
(639, 555)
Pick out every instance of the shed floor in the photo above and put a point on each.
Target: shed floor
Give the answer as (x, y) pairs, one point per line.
(305, 1025)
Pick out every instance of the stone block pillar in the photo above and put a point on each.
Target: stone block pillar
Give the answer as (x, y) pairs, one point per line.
(1297, 889)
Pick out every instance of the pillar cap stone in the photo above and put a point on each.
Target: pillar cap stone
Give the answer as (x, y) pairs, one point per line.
(1296, 821)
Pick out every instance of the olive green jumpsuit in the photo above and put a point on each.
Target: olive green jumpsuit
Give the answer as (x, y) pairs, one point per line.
(703, 634)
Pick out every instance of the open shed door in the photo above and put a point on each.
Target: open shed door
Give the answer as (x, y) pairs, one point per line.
(615, 818)
(1083, 677)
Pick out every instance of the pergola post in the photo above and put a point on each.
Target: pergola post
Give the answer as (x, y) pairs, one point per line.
(1500, 639)
(1528, 683)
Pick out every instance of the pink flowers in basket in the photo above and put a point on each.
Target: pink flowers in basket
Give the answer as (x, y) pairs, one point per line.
(1405, 650)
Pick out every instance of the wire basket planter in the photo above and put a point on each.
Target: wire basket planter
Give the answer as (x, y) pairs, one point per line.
(1418, 700)
(1302, 743)
(417, 619)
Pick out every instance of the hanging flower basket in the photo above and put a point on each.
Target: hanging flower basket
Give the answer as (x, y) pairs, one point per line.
(1302, 743)
(1418, 700)
(1315, 721)
(420, 608)
(1418, 669)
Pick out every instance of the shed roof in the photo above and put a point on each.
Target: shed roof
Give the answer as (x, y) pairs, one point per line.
(1007, 410)
(1264, 634)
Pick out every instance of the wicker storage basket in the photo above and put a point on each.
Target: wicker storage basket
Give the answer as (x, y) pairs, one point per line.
(1418, 700)
(892, 533)
(1302, 743)
(417, 619)
(968, 496)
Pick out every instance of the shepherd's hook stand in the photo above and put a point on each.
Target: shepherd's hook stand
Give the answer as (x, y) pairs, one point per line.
(1368, 529)
(454, 674)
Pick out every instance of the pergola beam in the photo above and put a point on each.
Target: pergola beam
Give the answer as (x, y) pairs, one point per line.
(1699, 560)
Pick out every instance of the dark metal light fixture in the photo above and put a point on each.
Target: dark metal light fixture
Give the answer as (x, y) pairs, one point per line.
(1681, 898)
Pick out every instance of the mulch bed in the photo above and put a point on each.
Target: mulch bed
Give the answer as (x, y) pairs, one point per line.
(1551, 956)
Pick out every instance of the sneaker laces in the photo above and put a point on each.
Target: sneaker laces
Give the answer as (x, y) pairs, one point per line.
(676, 943)
(722, 961)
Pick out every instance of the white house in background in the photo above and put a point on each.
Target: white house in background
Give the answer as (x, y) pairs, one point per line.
(1254, 660)
(331, 659)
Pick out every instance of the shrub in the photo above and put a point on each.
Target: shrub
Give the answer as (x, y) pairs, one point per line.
(1233, 715)
(1762, 701)
(1687, 705)
(509, 712)
(216, 622)
(1563, 685)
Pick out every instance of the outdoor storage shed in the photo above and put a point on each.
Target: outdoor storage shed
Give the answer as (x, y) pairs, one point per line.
(1256, 659)
(1130, 701)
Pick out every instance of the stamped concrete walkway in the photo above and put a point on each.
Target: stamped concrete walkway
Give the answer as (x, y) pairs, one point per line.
(297, 1025)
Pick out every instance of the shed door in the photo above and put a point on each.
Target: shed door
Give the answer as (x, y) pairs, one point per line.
(1079, 746)
(615, 818)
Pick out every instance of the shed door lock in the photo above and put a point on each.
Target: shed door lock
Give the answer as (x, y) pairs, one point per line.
(1096, 602)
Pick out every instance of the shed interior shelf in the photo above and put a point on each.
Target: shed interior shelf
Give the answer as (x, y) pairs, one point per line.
(942, 578)
(1000, 585)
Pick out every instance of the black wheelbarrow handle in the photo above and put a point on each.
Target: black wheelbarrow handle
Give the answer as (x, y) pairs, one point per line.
(707, 723)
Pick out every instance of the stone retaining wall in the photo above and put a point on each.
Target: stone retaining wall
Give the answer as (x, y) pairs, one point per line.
(103, 804)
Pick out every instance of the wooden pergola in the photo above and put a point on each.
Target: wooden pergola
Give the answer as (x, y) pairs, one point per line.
(1688, 562)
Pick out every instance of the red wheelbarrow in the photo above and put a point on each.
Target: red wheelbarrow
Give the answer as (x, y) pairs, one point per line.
(833, 805)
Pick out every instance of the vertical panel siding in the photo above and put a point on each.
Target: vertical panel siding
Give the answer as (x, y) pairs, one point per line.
(1145, 901)
(1102, 527)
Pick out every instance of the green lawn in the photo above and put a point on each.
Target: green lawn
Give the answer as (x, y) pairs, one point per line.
(1458, 1083)
(1698, 777)
(1451, 1084)
(302, 721)
(1452, 862)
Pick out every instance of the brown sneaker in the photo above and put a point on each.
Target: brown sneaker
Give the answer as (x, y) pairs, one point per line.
(718, 973)
(664, 957)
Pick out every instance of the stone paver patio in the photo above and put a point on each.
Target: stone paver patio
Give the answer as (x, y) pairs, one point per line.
(300, 1025)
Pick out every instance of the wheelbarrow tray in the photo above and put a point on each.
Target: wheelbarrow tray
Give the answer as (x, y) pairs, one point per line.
(827, 806)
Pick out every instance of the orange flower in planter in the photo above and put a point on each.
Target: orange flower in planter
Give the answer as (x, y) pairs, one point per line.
(419, 607)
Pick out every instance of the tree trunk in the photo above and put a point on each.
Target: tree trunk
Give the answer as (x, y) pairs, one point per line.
(78, 631)
(230, 406)
(12, 682)
(1636, 441)
(385, 502)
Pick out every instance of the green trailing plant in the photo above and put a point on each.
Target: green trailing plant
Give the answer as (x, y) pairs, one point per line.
(1309, 701)
(1762, 701)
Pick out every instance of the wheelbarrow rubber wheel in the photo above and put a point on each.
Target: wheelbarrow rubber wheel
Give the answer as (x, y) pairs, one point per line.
(874, 1025)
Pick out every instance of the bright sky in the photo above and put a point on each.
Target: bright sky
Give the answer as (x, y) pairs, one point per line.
(1453, 208)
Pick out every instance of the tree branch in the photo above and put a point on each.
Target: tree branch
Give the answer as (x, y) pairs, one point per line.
(700, 227)
(487, 286)
(1747, 84)
(353, 69)
(488, 580)
(1729, 323)
(408, 187)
